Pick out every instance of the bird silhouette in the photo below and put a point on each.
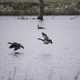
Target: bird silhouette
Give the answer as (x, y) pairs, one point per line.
(15, 46)
(40, 18)
(46, 39)
(38, 27)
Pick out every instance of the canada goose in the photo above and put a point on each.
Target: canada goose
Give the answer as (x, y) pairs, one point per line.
(40, 18)
(45, 39)
(15, 45)
(40, 27)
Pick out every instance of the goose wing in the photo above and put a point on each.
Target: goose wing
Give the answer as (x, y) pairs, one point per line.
(45, 36)
(10, 43)
(21, 46)
(40, 39)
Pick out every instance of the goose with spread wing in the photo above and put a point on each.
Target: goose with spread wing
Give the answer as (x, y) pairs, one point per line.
(15, 46)
(46, 39)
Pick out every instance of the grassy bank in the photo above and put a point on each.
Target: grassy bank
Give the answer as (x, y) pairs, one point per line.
(58, 7)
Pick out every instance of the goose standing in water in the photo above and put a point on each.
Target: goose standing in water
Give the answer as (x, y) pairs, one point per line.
(38, 27)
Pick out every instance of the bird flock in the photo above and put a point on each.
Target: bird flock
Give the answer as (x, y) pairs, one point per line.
(45, 39)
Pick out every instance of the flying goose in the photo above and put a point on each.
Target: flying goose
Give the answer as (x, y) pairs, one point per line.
(45, 39)
(15, 46)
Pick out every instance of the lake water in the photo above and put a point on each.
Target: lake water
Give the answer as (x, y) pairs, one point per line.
(38, 61)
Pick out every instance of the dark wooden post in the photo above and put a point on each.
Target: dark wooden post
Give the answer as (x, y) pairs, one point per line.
(41, 7)
(41, 10)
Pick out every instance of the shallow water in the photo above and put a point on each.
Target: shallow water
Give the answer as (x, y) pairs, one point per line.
(59, 61)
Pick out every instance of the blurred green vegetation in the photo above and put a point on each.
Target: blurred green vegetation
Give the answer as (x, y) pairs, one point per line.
(51, 7)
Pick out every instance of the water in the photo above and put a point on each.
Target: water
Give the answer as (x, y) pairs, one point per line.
(59, 61)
